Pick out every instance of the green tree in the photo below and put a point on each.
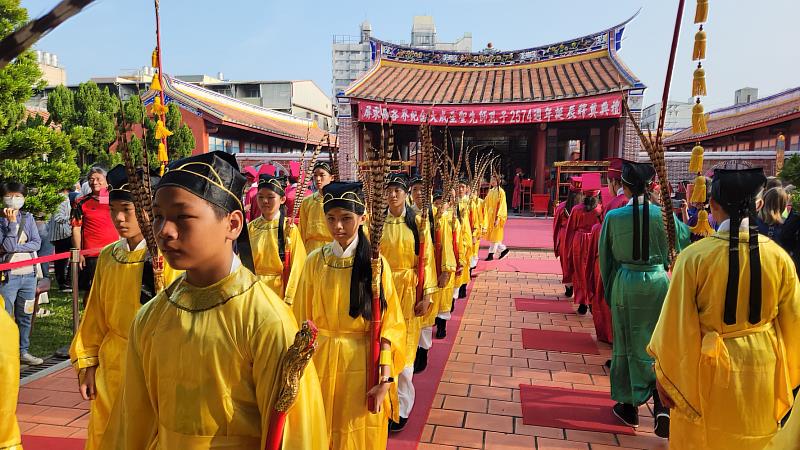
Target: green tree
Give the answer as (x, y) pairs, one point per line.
(30, 152)
(88, 115)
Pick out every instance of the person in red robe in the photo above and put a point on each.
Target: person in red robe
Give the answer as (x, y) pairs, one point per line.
(516, 198)
(251, 209)
(578, 240)
(560, 219)
(601, 311)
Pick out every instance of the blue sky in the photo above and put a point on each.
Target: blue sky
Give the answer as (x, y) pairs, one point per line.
(749, 43)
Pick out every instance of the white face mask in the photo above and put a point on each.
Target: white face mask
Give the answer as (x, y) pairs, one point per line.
(14, 202)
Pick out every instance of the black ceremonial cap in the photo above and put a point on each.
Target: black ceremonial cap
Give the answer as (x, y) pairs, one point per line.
(348, 196)
(214, 177)
(637, 175)
(273, 183)
(118, 186)
(437, 194)
(398, 179)
(324, 166)
(415, 181)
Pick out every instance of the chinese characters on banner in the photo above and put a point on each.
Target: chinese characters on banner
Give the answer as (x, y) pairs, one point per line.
(599, 107)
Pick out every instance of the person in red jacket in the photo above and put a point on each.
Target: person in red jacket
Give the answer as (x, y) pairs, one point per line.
(560, 219)
(578, 240)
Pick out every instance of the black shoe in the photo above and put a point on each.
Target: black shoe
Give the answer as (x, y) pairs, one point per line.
(462, 291)
(661, 416)
(395, 426)
(504, 253)
(441, 328)
(582, 308)
(490, 257)
(421, 360)
(568, 291)
(608, 364)
(628, 414)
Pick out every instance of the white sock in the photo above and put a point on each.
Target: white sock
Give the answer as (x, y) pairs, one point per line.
(444, 315)
(426, 338)
(405, 391)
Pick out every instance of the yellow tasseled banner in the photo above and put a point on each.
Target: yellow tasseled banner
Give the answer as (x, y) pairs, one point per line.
(159, 109)
(699, 81)
(154, 57)
(162, 131)
(699, 190)
(699, 45)
(696, 161)
(162, 152)
(698, 118)
(155, 85)
(701, 13)
(703, 226)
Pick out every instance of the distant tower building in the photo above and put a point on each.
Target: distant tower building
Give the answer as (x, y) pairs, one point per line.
(745, 95)
(52, 73)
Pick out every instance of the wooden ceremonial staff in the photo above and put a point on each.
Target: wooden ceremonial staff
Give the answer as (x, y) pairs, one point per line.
(162, 116)
(293, 363)
(655, 147)
(20, 40)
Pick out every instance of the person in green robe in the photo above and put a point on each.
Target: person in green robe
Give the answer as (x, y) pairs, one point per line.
(634, 259)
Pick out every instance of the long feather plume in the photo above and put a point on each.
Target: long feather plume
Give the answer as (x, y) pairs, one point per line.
(20, 40)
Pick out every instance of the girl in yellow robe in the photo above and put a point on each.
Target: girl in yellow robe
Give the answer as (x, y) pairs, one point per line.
(313, 228)
(335, 292)
(9, 383)
(400, 246)
(203, 368)
(269, 242)
(452, 241)
(119, 289)
(496, 212)
(727, 350)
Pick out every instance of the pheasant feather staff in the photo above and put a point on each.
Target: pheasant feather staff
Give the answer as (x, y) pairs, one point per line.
(427, 174)
(293, 364)
(141, 191)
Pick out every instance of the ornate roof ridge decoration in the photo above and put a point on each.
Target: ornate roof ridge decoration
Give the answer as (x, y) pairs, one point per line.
(771, 100)
(608, 39)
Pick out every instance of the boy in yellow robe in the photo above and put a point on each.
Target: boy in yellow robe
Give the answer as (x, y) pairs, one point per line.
(9, 383)
(335, 292)
(313, 227)
(495, 211)
(203, 365)
(400, 246)
(123, 282)
(469, 226)
(269, 242)
(453, 240)
(727, 344)
(443, 265)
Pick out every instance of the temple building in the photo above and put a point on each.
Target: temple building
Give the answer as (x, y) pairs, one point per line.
(756, 132)
(253, 133)
(536, 106)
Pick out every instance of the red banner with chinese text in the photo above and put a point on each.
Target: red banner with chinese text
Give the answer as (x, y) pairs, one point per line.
(606, 106)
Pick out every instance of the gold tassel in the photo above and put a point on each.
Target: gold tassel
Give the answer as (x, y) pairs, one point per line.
(696, 161)
(162, 153)
(154, 57)
(159, 109)
(699, 124)
(703, 226)
(699, 45)
(162, 131)
(699, 190)
(155, 85)
(699, 81)
(701, 13)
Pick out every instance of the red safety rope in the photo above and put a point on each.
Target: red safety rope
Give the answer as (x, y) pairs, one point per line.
(44, 259)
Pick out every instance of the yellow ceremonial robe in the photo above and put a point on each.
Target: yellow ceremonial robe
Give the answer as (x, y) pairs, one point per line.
(102, 337)
(313, 225)
(447, 224)
(465, 240)
(323, 296)
(203, 371)
(267, 261)
(495, 210)
(9, 383)
(447, 265)
(397, 246)
(731, 384)
(479, 223)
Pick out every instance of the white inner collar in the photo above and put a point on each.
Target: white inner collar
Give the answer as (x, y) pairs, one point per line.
(339, 252)
(726, 225)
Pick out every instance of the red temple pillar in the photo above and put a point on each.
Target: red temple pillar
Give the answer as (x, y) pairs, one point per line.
(540, 159)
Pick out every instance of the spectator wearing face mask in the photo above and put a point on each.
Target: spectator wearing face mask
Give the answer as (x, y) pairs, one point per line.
(20, 242)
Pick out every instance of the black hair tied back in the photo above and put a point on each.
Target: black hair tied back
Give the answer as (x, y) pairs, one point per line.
(411, 222)
(361, 281)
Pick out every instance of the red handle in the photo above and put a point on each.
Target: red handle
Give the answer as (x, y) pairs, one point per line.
(421, 272)
(373, 374)
(287, 263)
(275, 433)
